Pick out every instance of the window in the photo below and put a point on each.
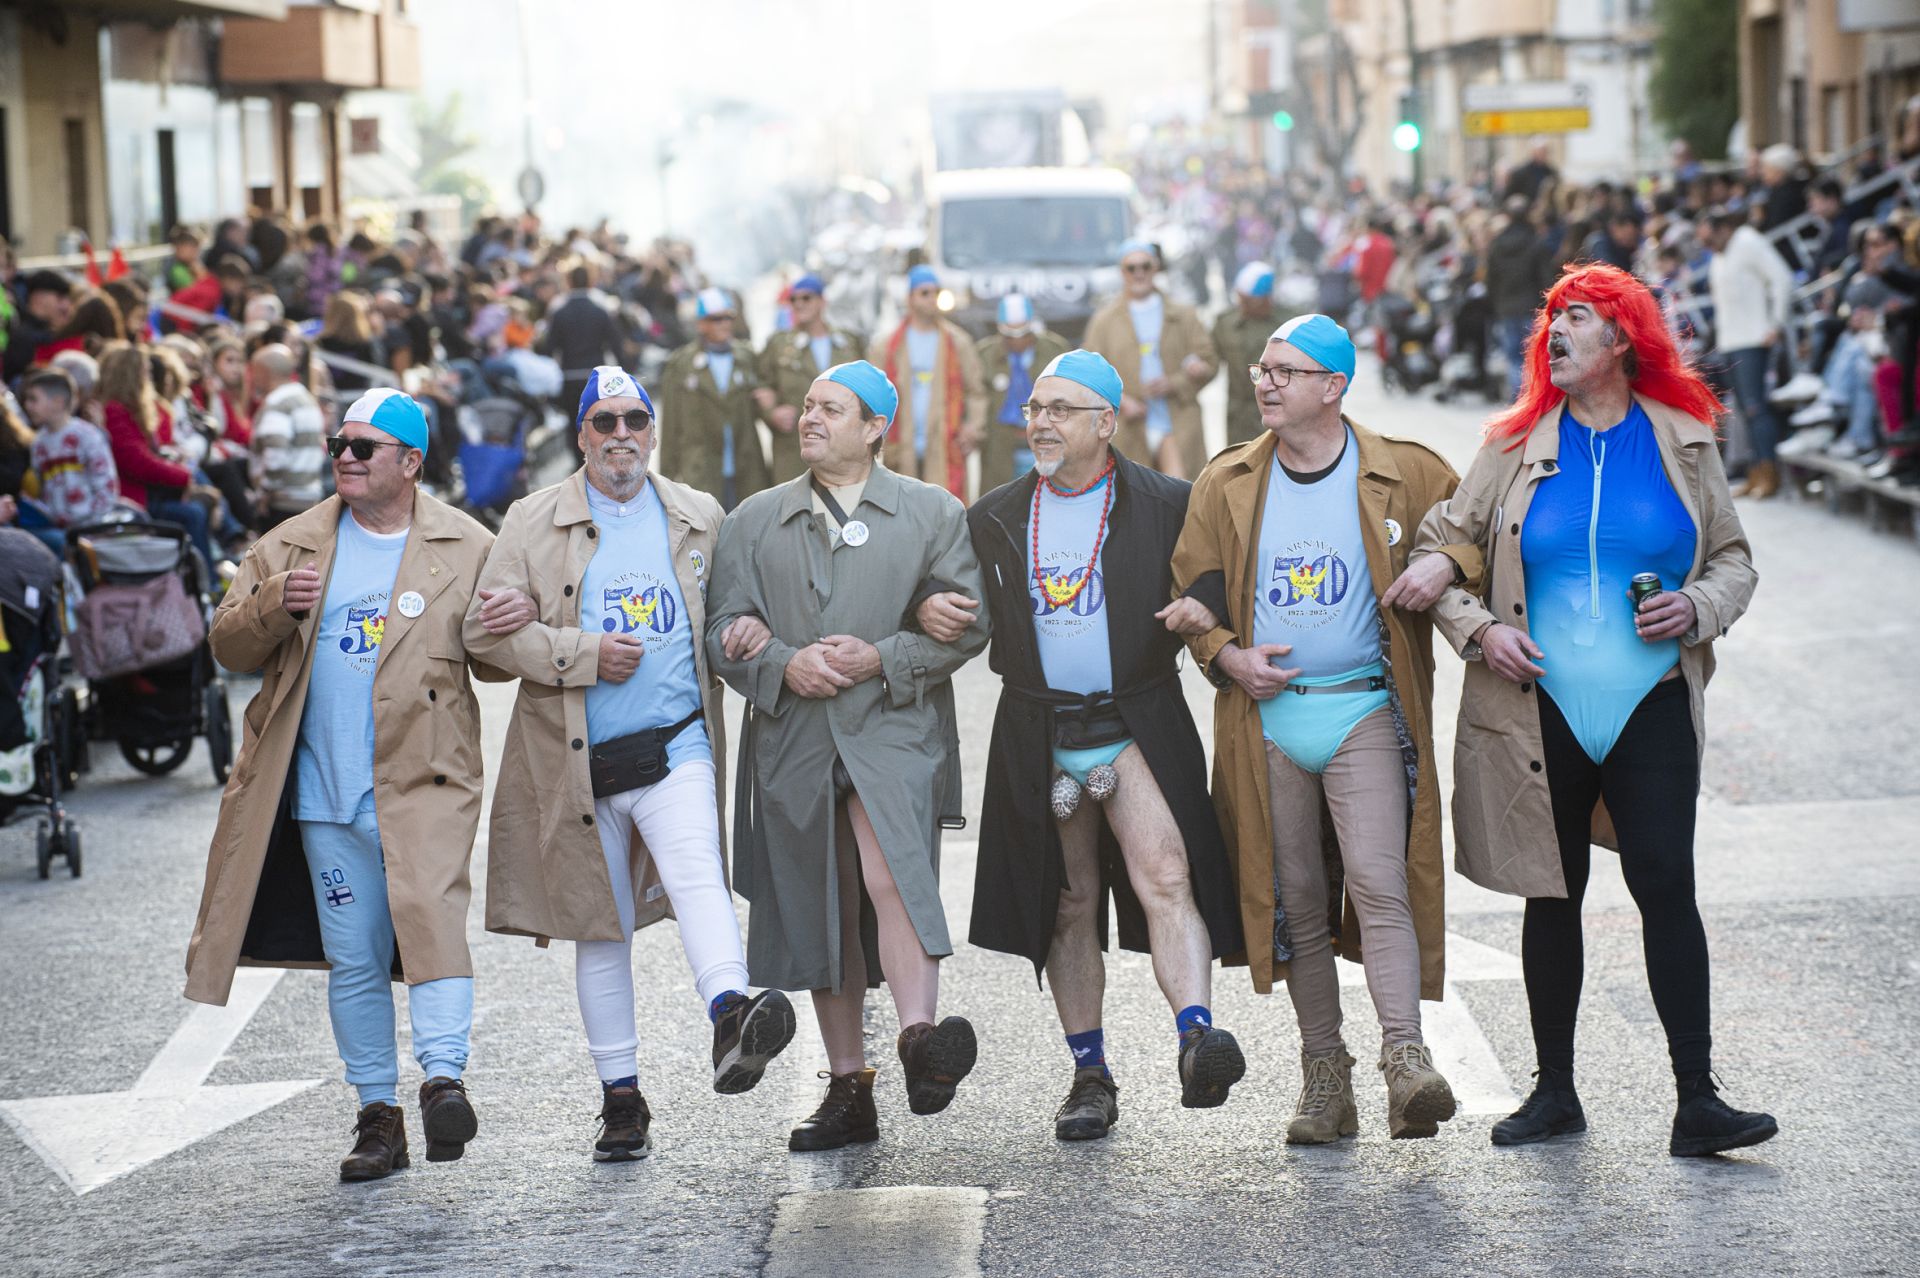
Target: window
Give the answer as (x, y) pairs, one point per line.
(76, 146)
(1036, 230)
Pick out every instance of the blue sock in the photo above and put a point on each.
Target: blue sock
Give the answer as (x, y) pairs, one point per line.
(1089, 1049)
(631, 1080)
(1192, 1017)
(719, 1003)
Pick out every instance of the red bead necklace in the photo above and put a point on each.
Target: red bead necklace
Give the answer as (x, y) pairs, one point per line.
(1060, 596)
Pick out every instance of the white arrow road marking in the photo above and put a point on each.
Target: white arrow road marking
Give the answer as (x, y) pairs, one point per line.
(1460, 1048)
(93, 1139)
(879, 1233)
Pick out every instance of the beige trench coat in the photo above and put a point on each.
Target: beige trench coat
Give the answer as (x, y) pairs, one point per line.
(257, 906)
(546, 874)
(1399, 481)
(1110, 332)
(1502, 811)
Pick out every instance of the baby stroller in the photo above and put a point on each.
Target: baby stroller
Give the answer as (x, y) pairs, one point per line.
(493, 453)
(141, 644)
(42, 750)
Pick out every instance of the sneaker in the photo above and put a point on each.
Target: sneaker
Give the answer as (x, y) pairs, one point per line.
(1821, 412)
(625, 1126)
(379, 1143)
(748, 1033)
(845, 1117)
(1092, 1106)
(1325, 1111)
(936, 1058)
(1552, 1110)
(1811, 439)
(1704, 1124)
(1847, 450)
(447, 1117)
(1418, 1098)
(1210, 1064)
(1798, 389)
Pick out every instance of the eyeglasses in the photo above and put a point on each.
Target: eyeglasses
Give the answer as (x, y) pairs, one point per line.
(362, 449)
(1281, 374)
(637, 420)
(1057, 413)
(1138, 268)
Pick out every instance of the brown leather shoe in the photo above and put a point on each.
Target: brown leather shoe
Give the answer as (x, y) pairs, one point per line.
(846, 1115)
(625, 1126)
(936, 1058)
(380, 1143)
(447, 1117)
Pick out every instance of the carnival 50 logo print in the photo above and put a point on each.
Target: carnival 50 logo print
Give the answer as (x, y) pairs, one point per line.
(365, 630)
(1308, 582)
(1052, 591)
(638, 604)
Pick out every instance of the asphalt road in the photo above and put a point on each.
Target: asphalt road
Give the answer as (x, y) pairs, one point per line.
(142, 1137)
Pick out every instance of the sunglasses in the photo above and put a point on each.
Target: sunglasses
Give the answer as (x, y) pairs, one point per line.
(637, 420)
(803, 297)
(362, 449)
(1138, 268)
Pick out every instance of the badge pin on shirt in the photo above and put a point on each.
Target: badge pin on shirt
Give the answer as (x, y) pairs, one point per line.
(1393, 532)
(855, 533)
(412, 604)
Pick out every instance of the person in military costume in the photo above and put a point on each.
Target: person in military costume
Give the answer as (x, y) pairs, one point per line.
(708, 439)
(789, 364)
(1010, 360)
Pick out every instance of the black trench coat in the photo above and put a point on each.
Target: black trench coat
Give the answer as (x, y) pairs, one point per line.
(1020, 873)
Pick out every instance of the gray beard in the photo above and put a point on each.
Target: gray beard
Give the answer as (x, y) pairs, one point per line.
(1048, 469)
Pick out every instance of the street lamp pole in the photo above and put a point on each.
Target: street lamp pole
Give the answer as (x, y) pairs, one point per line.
(1413, 88)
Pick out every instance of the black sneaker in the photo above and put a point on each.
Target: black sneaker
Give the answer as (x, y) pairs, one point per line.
(747, 1034)
(936, 1058)
(1704, 1124)
(625, 1123)
(1092, 1106)
(846, 1115)
(448, 1118)
(1210, 1063)
(1552, 1110)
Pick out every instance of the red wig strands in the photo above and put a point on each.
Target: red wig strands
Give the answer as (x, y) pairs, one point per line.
(1624, 301)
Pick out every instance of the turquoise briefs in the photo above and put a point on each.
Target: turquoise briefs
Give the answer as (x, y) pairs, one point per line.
(1310, 729)
(1077, 763)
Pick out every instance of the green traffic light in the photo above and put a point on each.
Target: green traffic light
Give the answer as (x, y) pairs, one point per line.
(1406, 136)
(1283, 121)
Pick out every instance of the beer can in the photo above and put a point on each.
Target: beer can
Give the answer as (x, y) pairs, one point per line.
(1643, 587)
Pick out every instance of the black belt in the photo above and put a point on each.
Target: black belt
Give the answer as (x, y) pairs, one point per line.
(1372, 683)
(1088, 700)
(635, 760)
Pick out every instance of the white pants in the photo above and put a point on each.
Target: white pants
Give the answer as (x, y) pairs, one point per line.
(676, 819)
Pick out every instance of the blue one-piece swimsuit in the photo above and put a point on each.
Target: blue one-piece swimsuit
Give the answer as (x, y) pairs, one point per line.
(1608, 513)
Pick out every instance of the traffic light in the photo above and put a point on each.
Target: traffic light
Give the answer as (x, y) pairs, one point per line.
(1406, 134)
(1283, 121)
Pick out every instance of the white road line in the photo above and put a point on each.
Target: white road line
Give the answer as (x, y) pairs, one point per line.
(93, 1139)
(927, 1231)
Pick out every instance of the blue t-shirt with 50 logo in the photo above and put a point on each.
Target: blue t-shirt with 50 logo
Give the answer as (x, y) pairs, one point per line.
(1073, 636)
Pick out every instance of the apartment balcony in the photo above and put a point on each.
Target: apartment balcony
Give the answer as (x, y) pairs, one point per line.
(321, 47)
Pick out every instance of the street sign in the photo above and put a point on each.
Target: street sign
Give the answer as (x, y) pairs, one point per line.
(532, 186)
(1489, 124)
(1528, 106)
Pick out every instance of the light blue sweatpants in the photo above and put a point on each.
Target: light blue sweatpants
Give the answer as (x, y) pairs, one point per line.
(356, 928)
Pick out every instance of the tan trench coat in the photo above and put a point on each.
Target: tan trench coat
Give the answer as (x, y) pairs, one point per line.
(546, 874)
(1502, 812)
(257, 906)
(932, 467)
(1110, 332)
(1399, 481)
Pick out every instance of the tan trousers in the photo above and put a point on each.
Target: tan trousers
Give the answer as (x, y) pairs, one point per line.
(1366, 792)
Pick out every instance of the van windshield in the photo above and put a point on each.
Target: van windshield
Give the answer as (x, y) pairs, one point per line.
(1039, 230)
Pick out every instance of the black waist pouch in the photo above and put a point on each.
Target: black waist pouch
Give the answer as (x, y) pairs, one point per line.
(635, 760)
(1088, 725)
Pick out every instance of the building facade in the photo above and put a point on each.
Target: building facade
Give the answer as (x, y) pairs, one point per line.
(1823, 74)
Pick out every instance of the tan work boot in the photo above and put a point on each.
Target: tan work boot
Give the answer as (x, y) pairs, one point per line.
(1763, 480)
(1418, 1098)
(1326, 1111)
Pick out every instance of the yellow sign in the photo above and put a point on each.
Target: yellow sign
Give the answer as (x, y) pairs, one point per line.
(1487, 124)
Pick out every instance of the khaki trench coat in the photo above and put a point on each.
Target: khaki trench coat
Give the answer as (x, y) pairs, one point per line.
(899, 455)
(1502, 811)
(1110, 332)
(257, 906)
(894, 733)
(546, 874)
(787, 367)
(999, 441)
(694, 414)
(1399, 481)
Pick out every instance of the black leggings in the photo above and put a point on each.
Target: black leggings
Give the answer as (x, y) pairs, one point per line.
(1651, 782)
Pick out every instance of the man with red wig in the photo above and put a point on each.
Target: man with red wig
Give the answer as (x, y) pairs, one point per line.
(1601, 504)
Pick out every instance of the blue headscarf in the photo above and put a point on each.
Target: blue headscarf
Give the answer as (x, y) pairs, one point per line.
(394, 412)
(869, 383)
(609, 382)
(1090, 370)
(1320, 338)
